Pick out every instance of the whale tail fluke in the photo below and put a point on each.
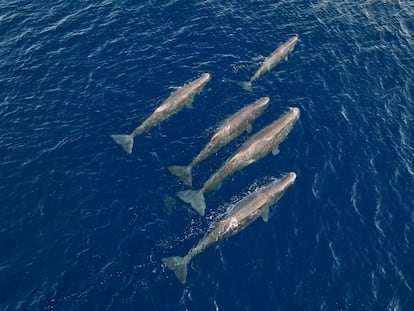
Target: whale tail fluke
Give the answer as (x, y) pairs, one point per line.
(195, 198)
(178, 265)
(247, 85)
(183, 172)
(126, 142)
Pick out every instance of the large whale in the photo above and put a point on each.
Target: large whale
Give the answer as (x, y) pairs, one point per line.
(281, 53)
(255, 148)
(173, 104)
(244, 213)
(231, 128)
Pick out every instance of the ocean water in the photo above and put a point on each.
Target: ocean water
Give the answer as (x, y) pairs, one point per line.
(83, 225)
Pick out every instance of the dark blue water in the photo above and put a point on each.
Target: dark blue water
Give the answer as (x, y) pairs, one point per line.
(83, 225)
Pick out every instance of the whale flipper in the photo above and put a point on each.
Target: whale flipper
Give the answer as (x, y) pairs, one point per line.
(126, 141)
(265, 215)
(178, 265)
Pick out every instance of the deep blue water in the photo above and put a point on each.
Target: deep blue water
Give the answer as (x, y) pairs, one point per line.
(83, 225)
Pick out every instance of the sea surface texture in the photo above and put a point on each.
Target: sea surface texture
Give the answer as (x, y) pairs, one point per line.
(84, 225)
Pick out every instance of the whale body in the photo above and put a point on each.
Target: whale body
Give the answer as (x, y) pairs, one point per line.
(173, 104)
(278, 55)
(243, 214)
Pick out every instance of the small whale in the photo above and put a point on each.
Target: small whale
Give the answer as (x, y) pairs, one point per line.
(243, 214)
(255, 148)
(231, 128)
(173, 104)
(281, 53)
